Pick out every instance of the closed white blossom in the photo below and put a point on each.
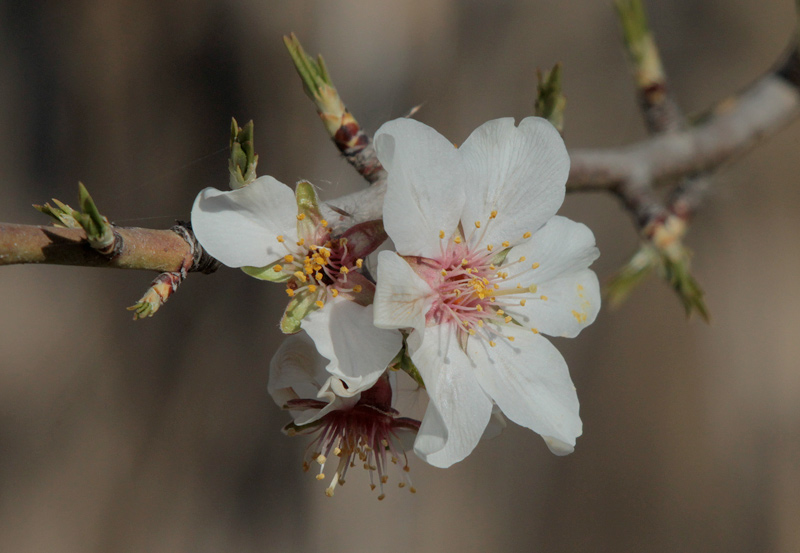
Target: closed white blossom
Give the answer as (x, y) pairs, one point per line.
(484, 268)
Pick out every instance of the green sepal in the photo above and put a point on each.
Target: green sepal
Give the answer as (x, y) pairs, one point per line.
(243, 161)
(63, 214)
(500, 257)
(267, 273)
(633, 273)
(550, 102)
(300, 305)
(308, 212)
(402, 362)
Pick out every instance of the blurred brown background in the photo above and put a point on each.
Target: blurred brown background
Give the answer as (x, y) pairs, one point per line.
(159, 435)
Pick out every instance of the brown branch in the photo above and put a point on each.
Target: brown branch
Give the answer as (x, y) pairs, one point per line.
(144, 249)
(728, 130)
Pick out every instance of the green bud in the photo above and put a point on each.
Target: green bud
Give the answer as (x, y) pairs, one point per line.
(243, 161)
(97, 227)
(550, 102)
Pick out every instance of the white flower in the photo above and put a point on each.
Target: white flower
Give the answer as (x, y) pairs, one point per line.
(484, 269)
(277, 235)
(351, 424)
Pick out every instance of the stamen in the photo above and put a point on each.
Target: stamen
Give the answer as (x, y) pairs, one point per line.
(526, 235)
(324, 223)
(277, 268)
(441, 234)
(493, 214)
(320, 304)
(301, 216)
(477, 224)
(280, 238)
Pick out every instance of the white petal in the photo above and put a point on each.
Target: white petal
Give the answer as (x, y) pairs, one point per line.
(530, 382)
(560, 247)
(358, 351)
(424, 193)
(296, 370)
(496, 424)
(459, 410)
(240, 227)
(521, 172)
(402, 298)
(572, 304)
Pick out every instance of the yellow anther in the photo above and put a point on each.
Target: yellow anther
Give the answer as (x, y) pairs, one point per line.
(280, 238)
(308, 269)
(519, 285)
(535, 330)
(492, 267)
(492, 343)
(289, 292)
(288, 258)
(532, 288)
(318, 276)
(457, 239)
(496, 286)
(444, 273)
(472, 332)
(312, 288)
(580, 287)
(480, 323)
(457, 292)
(320, 303)
(493, 214)
(441, 234)
(535, 266)
(344, 270)
(324, 223)
(479, 307)
(489, 247)
(320, 476)
(507, 319)
(464, 262)
(501, 312)
(506, 244)
(357, 288)
(522, 302)
(301, 216)
(510, 338)
(334, 292)
(301, 242)
(412, 489)
(477, 224)
(277, 268)
(465, 323)
(321, 459)
(359, 263)
(521, 259)
(526, 235)
(543, 298)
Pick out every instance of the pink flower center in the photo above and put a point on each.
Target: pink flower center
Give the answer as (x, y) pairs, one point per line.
(471, 281)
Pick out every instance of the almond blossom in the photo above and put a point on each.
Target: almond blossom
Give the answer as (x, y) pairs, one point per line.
(350, 425)
(484, 268)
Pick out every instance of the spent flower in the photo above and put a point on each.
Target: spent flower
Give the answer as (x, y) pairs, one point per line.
(350, 426)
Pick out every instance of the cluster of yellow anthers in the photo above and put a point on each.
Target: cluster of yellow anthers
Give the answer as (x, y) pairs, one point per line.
(315, 268)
